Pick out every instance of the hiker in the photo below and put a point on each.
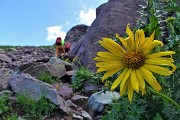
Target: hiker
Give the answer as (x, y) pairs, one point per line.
(59, 47)
(67, 47)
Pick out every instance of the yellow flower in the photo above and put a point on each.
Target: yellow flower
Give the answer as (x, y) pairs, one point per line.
(134, 61)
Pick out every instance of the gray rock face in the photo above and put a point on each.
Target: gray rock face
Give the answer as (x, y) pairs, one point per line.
(26, 84)
(112, 18)
(75, 34)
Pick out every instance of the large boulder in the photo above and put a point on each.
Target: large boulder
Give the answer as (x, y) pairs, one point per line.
(98, 100)
(112, 17)
(36, 89)
(75, 34)
(54, 70)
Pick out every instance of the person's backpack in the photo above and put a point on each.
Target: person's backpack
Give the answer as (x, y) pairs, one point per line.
(67, 45)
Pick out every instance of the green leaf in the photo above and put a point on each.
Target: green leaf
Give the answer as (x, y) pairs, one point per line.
(158, 117)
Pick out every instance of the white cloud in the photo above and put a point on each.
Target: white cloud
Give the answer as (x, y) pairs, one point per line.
(54, 32)
(87, 16)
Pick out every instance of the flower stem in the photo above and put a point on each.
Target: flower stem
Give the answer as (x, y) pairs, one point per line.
(163, 96)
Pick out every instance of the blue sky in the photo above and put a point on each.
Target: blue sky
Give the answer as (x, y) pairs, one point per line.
(39, 22)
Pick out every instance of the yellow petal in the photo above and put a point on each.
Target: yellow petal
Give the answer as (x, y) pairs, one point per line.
(161, 59)
(160, 54)
(124, 80)
(134, 81)
(152, 46)
(137, 38)
(141, 82)
(114, 45)
(148, 76)
(158, 69)
(103, 59)
(109, 64)
(123, 41)
(163, 62)
(107, 55)
(111, 72)
(141, 38)
(130, 91)
(107, 68)
(131, 36)
(149, 40)
(101, 69)
(119, 79)
(124, 88)
(108, 47)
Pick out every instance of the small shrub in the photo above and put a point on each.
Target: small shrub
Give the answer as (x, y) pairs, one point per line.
(12, 117)
(46, 77)
(35, 109)
(3, 104)
(121, 109)
(81, 75)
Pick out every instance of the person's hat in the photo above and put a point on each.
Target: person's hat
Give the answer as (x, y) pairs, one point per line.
(59, 38)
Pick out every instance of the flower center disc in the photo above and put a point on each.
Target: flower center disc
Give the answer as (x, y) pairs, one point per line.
(134, 59)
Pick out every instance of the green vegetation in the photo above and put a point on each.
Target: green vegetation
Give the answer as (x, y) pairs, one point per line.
(3, 104)
(82, 74)
(46, 77)
(7, 48)
(25, 107)
(35, 109)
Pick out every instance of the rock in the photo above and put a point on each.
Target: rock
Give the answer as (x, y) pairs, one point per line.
(86, 115)
(66, 92)
(5, 58)
(56, 86)
(4, 78)
(98, 100)
(57, 61)
(23, 67)
(54, 70)
(25, 84)
(90, 88)
(111, 19)
(29, 54)
(70, 73)
(78, 97)
(78, 117)
(79, 100)
(71, 104)
(75, 34)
